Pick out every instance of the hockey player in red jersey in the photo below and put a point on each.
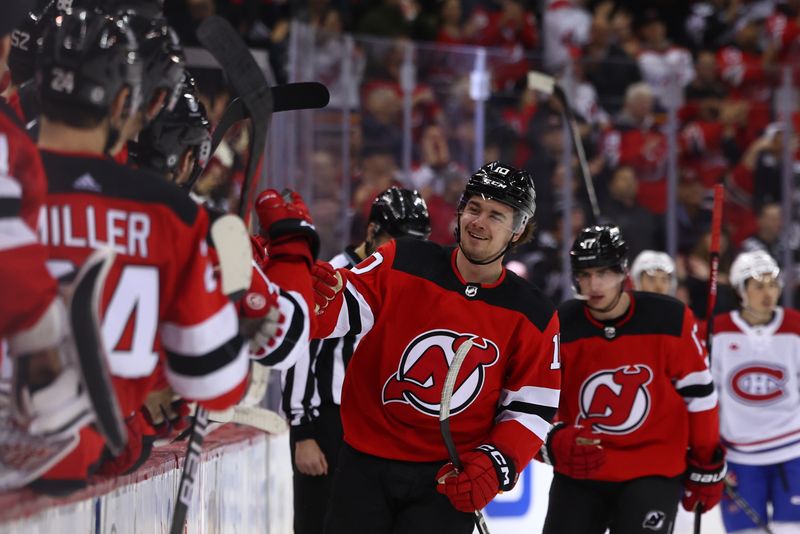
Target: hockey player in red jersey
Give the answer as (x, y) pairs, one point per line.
(756, 365)
(411, 305)
(161, 295)
(24, 278)
(40, 421)
(312, 389)
(636, 394)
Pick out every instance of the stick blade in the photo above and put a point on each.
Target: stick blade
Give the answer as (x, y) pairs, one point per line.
(541, 82)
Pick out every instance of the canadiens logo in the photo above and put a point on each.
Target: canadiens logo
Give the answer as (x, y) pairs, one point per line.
(758, 383)
(420, 376)
(616, 401)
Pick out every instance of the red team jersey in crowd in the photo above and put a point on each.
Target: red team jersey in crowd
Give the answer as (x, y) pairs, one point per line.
(642, 383)
(24, 280)
(410, 310)
(161, 296)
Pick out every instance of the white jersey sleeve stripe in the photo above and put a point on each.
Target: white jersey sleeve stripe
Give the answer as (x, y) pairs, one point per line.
(343, 325)
(702, 404)
(213, 384)
(9, 188)
(532, 422)
(201, 338)
(698, 378)
(531, 395)
(15, 233)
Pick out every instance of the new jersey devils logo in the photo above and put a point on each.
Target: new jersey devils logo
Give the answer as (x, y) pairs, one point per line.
(616, 401)
(420, 377)
(758, 383)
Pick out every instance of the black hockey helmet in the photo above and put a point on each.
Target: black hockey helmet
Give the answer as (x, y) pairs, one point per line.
(505, 184)
(401, 212)
(25, 41)
(599, 246)
(163, 142)
(161, 53)
(86, 59)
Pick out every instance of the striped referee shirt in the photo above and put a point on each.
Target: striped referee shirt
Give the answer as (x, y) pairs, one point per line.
(317, 380)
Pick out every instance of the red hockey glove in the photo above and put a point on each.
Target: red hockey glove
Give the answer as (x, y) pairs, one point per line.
(260, 245)
(704, 482)
(260, 318)
(486, 473)
(327, 283)
(574, 451)
(285, 220)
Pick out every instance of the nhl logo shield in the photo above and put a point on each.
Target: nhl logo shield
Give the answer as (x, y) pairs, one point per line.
(610, 332)
(471, 291)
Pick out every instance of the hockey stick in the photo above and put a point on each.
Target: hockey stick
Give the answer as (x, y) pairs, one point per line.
(745, 507)
(218, 37)
(547, 84)
(716, 231)
(191, 464)
(248, 81)
(253, 416)
(289, 97)
(444, 420)
(84, 318)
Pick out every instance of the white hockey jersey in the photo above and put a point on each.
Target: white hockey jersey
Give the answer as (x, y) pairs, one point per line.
(757, 372)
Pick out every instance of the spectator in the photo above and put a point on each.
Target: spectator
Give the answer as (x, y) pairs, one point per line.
(660, 61)
(451, 29)
(749, 72)
(396, 18)
(435, 163)
(637, 141)
(694, 218)
(641, 227)
(608, 67)
(767, 236)
(541, 258)
(513, 29)
(693, 269)
(709, 24)
(565, 25)
(767, 175)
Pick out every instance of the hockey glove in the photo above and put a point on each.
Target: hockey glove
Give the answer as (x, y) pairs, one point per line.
(573, 451)
(286, 222)
(165, 412)
(327, 283)
(260, 318)
(487, 472)
(704, 482)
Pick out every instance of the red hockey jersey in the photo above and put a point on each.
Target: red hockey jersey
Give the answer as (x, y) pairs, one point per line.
(410, 310)
(161, 295)
(26, 286)
(642, 382)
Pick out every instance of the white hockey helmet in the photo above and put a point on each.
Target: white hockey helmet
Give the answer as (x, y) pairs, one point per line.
(649, 261)
(753, 264)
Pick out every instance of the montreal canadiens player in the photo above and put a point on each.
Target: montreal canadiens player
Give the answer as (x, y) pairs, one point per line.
(654, 271)
(638, 410)
(756, 366)
(412, 304)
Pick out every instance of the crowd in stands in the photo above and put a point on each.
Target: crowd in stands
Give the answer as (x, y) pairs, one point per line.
(727, 55)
